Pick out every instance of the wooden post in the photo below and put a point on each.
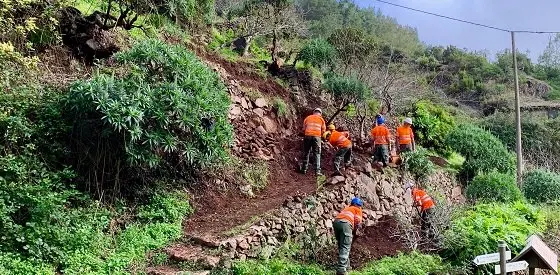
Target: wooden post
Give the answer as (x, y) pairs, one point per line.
(518, 147)
(502, 251)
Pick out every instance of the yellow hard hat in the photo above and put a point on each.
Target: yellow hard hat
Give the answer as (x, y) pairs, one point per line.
(326, 134)
(332, 127)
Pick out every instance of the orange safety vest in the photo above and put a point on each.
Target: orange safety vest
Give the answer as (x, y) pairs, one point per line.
(380, 135)
(314, 126)
(422, 199)
(405, 135)
(340, 139)
(353, 214)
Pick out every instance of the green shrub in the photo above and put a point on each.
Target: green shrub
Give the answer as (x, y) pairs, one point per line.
(409, 264)
(281, 107)
(318, 53)
(483, 152)
(432, 124)
(274, 267)
(418, 163)
(165, 208)
(256, 174)
(542, 186)
(169, 112)
(477, 230)
(494, 187)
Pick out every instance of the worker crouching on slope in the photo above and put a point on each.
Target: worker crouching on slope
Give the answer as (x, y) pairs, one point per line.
(313, 128)
(405, 137)
(381, 136)
(345, 226)
(425, 204)
(341, 141)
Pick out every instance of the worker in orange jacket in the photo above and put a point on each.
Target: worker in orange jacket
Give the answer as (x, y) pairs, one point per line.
(425, 204)
(405, 137)
(313, 129)
(345, 225)
(341, 141)
(381, 136)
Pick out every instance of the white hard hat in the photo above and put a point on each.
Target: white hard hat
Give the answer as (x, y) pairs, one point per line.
(317, 110)
(409, 185)
(408, 120)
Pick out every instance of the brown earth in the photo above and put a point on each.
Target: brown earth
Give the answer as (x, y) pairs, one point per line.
(375, 243)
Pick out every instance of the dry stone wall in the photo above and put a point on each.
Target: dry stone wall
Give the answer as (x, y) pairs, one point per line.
(383, 195)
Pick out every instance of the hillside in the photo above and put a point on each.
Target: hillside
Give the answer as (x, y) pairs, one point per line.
(166, 138)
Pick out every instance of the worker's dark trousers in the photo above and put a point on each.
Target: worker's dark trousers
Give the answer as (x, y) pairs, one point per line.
(426, 222)
(381, 153)
(343, 234)
(342, 154)
(311, 143)
(405, 148)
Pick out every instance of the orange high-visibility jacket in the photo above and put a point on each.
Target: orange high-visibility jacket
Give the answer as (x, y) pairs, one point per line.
(314, 126)
(422, 199)
(380, 135)
(405, 135)
(340, 139)
(353, 214)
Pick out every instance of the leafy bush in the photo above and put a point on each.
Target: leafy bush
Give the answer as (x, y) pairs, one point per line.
(541, 186)
(477, 230)
(432, 124)
(346, 89)
(282, 109)
(273, 267)
(483, 152)
(166, 208)
(494, 187)
(169, 112)
(256, 174)
(318, 53)
(25, 22)
(418, 163)
(409, 264)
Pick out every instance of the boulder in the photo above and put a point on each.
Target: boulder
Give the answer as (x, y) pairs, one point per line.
(244, 103)
(387, 189)
(259, 112)
(261, 130)
(243, 245)
(235, 111)
(270, 125)
(337, 180)
(260, 102)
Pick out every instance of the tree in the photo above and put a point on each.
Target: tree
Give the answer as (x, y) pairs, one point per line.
(551, 54)
(346, 91)
(352, 46)
(273, 18)
(318, 53)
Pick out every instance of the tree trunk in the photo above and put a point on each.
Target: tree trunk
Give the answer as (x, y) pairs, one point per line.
(109, 6)
(342, 108)
(274, 46)
(247, 45)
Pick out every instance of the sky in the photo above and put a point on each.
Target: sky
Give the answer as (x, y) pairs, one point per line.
(538, 15)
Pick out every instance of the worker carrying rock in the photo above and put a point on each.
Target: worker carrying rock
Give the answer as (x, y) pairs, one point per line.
(341, 141)
(405, 137)
(380, 137)
(346, 224)
(425, 205)
(313, 128)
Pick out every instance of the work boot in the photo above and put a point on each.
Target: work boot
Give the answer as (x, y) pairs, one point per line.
(348, 164)
(337, 173)
(318, 173)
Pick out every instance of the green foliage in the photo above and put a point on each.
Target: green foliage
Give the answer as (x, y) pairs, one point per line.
(541, 186)
(414, 263)
(494, 187)
(346, 89)
(256, 174)
(165, 208)
(432, 124)
(25, 24)
(352, 45)
(477, 230)
(220, 40)
(273, 267)
(168, 112)
(16, 70)
(483, 152)
(282, 109)
(318, 53)
(418, 163)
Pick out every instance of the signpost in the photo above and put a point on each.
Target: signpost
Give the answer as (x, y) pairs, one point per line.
(511, 267)
(490, 258)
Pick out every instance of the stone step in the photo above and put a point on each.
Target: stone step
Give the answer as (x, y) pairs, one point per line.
(195, 254)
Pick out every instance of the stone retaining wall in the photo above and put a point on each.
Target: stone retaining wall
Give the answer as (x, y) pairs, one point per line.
(383, 195)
